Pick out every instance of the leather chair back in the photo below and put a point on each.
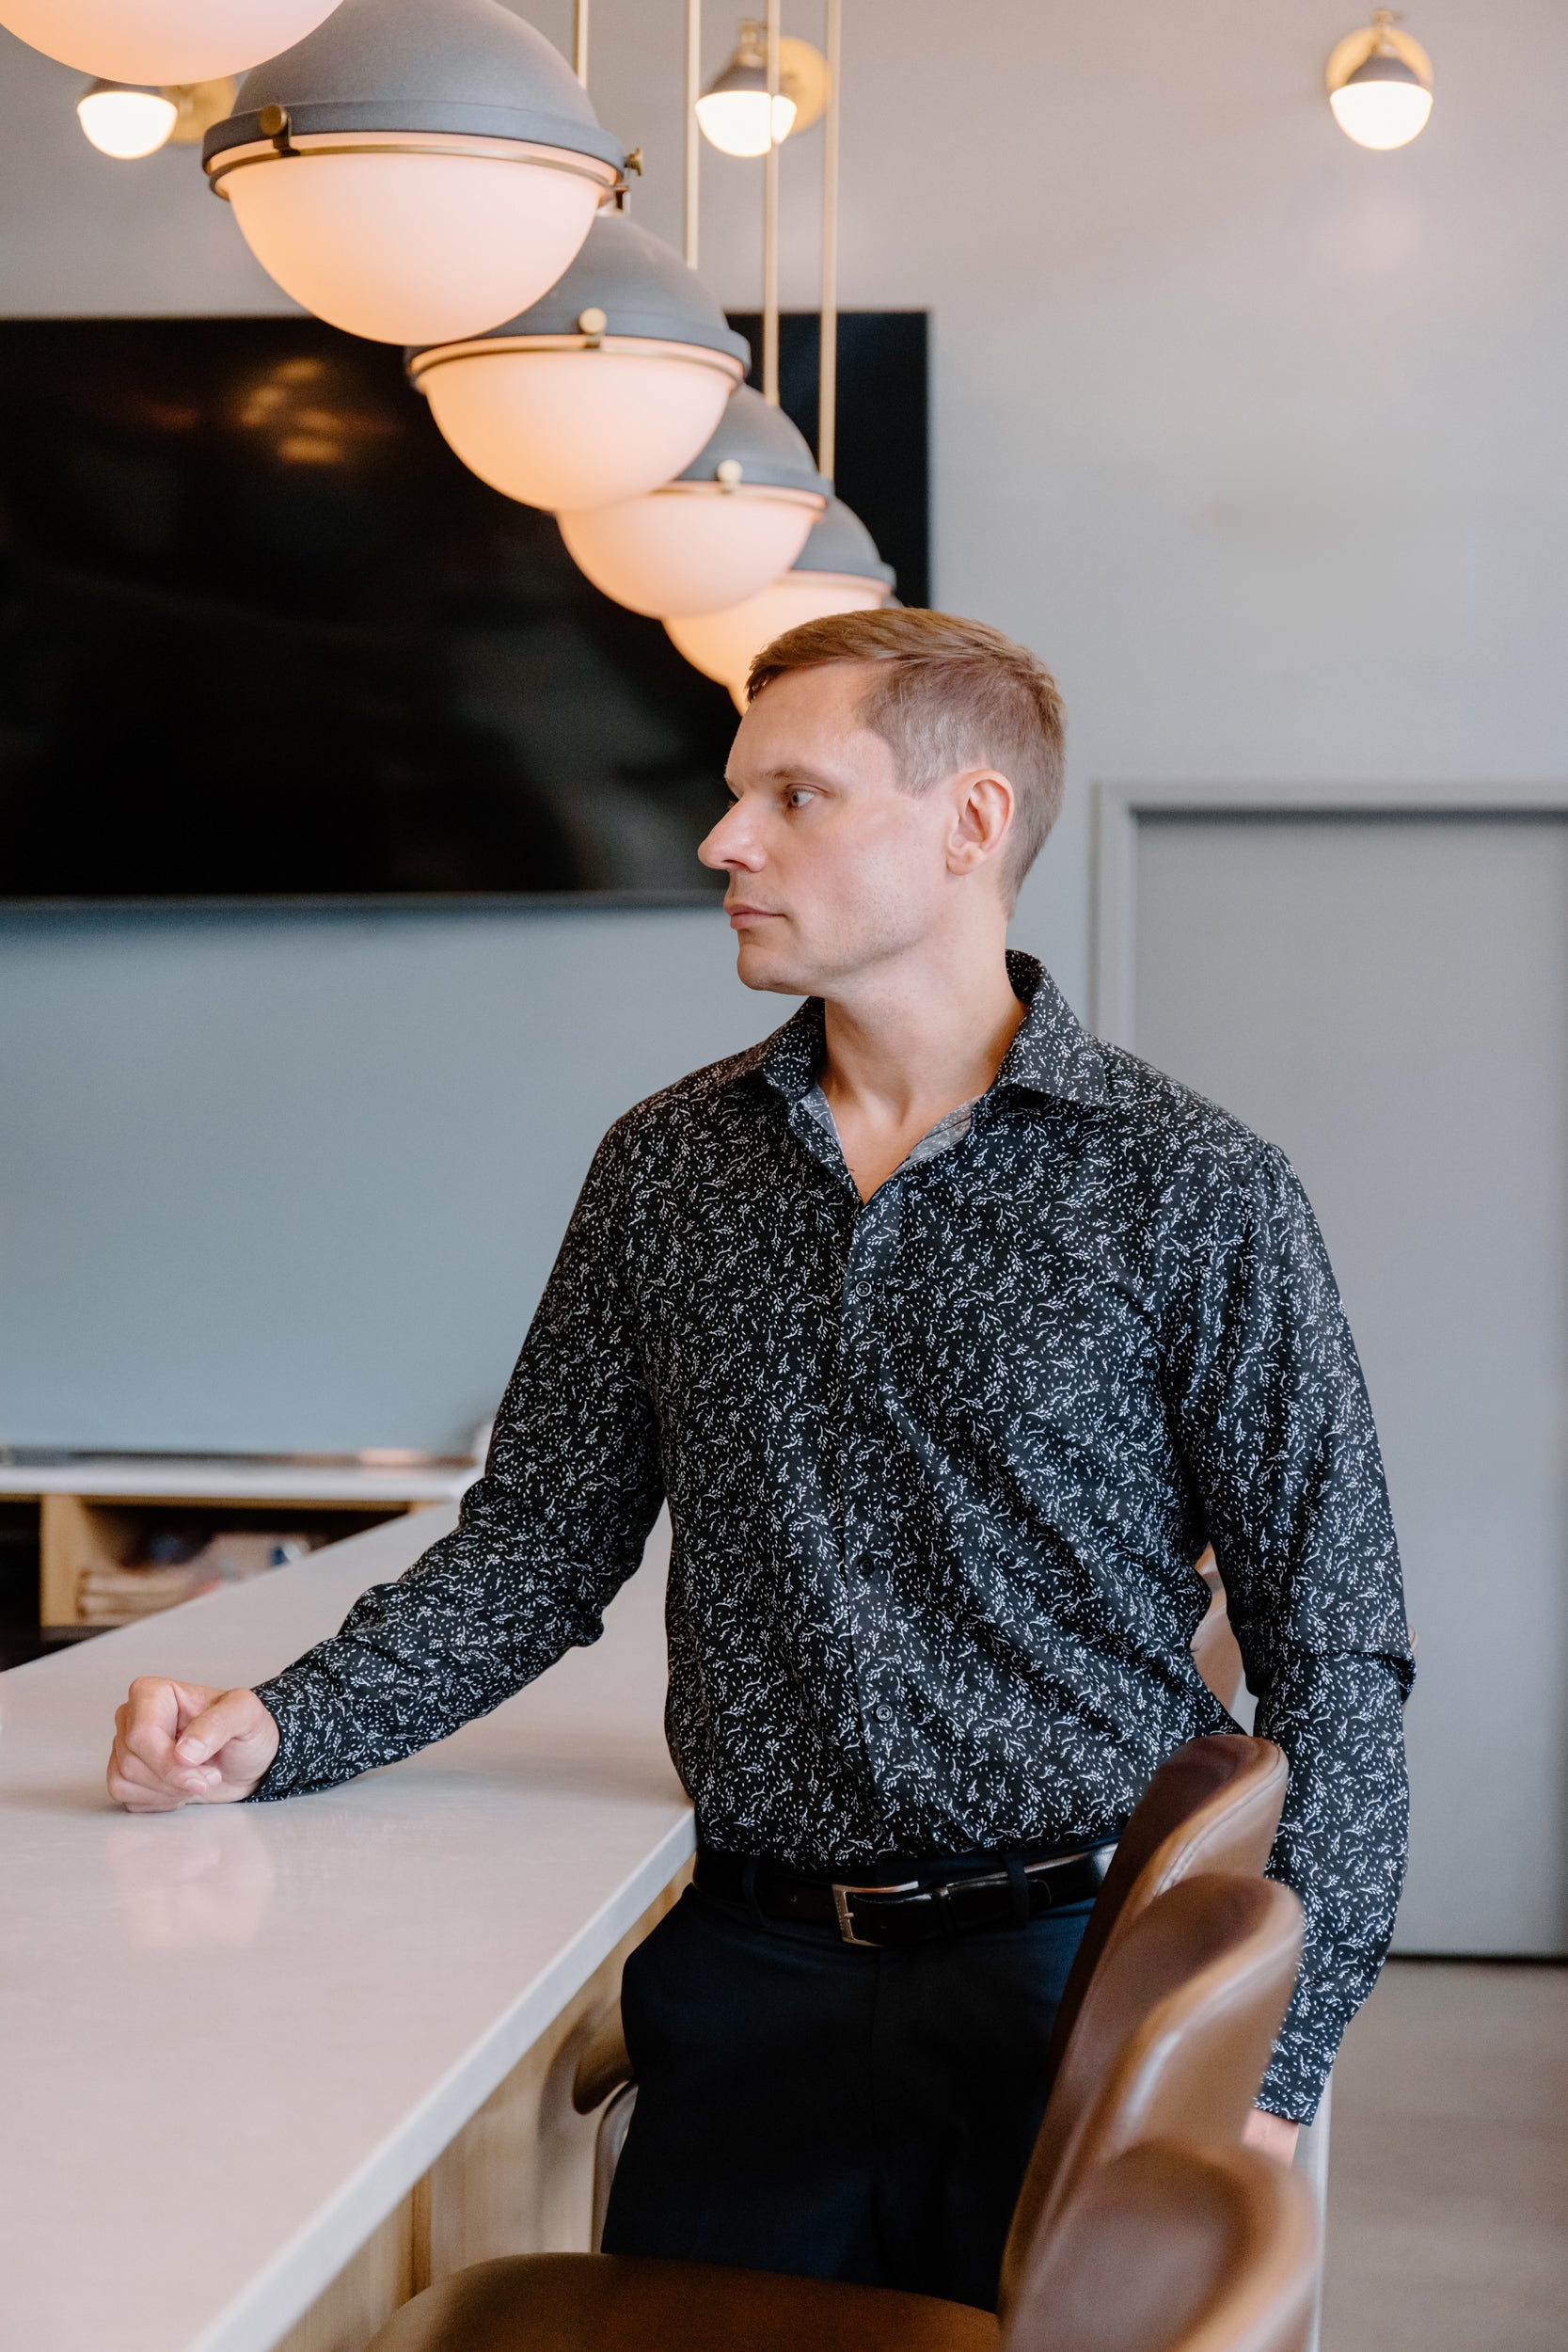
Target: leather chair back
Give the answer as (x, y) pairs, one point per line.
(1175, 2033)
(1175, 2248)
(1213, 1806)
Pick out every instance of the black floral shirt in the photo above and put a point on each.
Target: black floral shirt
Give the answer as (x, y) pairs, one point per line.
(938, 1467)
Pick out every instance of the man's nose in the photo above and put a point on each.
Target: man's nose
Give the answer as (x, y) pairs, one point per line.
(730, 848)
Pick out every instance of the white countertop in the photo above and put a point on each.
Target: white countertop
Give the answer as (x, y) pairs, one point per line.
(125, 1476)
(232, 2038)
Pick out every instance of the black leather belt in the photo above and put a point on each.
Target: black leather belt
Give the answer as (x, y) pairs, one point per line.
(1005, 1889)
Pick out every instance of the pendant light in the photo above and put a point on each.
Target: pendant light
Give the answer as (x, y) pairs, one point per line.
(610, 384)
(737, 518)
(156, 42)
(838, 570)
(1380, 84)
(126, 120)
(414, 170)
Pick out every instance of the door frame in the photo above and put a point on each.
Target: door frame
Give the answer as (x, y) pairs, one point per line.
(1118, 809)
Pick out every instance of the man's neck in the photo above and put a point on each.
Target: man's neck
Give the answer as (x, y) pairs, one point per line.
(907, 1047)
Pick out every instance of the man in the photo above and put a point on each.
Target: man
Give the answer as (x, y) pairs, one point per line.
(951, 1337)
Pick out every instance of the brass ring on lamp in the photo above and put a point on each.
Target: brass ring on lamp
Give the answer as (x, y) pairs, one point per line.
(266, 151)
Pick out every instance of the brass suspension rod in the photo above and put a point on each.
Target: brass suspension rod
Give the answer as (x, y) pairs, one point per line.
(770, 222)
(693, 129)
(827, 374)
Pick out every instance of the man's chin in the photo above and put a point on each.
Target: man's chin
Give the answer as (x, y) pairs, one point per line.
(760, 964)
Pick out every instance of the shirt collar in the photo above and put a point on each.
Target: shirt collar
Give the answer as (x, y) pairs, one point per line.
(1051, 1053)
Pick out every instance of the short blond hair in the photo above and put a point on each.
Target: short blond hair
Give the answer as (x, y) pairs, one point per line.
(945, 695)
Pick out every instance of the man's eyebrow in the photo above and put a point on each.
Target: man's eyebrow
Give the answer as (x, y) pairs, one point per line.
(790, 773)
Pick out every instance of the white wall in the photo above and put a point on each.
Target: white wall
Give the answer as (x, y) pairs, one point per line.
(1254, 435)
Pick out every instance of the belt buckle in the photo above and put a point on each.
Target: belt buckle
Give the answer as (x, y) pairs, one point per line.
(845, 1917)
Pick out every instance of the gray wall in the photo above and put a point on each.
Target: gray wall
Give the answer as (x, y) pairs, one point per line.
(295, 1181)
(1256, 435)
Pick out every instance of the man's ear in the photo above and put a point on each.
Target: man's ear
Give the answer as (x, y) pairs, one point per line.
(982, 815)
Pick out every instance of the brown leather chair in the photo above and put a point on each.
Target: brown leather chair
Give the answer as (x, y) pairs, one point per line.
(1174, 2036)
(1213, 1806)
(1175, 2248)
(1176, 2029)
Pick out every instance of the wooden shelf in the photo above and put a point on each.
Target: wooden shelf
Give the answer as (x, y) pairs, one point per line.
(79, 1532)
(90, 1521)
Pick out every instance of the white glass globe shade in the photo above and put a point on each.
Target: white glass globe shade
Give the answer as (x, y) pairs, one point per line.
(126, 123)
(736, 120)
(1381, 113)
(412, 248)
(162, 41)
(557, 427)
(690, 548)
(724, 645)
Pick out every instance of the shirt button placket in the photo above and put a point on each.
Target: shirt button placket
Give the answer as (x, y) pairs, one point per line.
(865, 1534)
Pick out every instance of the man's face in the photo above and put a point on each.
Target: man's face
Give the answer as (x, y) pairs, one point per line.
(833, 869)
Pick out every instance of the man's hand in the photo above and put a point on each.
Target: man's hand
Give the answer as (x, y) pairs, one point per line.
(181, 1744)
(1272, 2134)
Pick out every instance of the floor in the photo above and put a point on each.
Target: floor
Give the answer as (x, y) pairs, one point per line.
(1447, 2223)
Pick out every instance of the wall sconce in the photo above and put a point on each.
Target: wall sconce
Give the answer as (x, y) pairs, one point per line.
(129, 120)
(126, 120)
(1380, 83)
(733, 110)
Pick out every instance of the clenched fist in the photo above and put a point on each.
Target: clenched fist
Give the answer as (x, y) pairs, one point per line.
(181, 1744)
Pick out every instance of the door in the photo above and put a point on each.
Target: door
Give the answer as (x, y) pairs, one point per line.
(1386, 997)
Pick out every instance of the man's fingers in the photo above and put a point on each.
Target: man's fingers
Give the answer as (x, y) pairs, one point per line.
(144, 1769)
(153, 1714)
(153, 1700)
(170, 1738)
(140, 1791)
(191, 1701)
(234, 1716)
(127, 1768)
(148, 1742)
(145, 1788)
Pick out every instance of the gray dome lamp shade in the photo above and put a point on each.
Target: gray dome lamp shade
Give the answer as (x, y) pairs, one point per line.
(839, 547)
(414, 170)
(601, 391)
(838, 570)
(733, 520)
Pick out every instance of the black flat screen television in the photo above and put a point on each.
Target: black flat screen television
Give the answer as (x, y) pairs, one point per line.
(262, 636)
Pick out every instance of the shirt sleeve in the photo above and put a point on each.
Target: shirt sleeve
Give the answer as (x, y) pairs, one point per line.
(545, 1539)
(1277, 1432)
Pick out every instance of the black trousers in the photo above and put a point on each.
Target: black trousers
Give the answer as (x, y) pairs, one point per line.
(807, 2106)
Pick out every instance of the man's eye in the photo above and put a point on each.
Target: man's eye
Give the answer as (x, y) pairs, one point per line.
(799, 796)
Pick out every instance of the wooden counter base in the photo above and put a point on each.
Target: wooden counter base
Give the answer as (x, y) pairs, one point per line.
(518, 2179)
